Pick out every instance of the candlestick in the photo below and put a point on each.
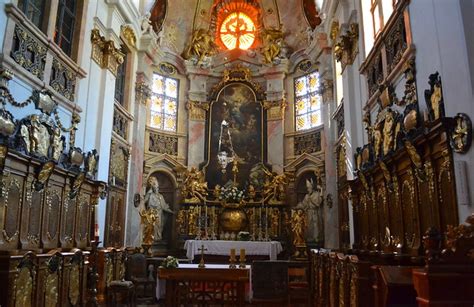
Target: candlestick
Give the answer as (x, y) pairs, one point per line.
(232, 259)
(242, 258)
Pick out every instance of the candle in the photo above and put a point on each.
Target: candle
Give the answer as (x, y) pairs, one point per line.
(242, 254)
(232, 253)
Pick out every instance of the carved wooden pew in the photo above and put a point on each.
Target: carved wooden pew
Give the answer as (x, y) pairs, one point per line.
(448, 278)
(53, 279)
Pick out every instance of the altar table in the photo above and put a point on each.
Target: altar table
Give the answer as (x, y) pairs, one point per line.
(214, 284)
(222, 247)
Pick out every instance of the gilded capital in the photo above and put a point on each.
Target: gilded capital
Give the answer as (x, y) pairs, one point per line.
(197, 110)
(104, 52)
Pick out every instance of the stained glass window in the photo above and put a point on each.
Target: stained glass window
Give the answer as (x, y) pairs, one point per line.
(237, 31)
(307, 102)
(164, 103)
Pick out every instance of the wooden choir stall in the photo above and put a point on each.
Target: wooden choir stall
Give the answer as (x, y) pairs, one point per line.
(47, 206)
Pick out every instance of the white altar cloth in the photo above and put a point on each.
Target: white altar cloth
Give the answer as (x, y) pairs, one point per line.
(222, 247)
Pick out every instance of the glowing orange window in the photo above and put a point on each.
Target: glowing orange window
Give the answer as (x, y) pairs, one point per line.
(237, 31)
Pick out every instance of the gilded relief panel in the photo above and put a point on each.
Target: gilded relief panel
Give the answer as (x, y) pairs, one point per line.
(68, 216)
(51, 215)
(410, 213)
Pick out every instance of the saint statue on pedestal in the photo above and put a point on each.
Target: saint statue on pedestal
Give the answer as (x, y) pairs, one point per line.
(154, 201)
(312, 203)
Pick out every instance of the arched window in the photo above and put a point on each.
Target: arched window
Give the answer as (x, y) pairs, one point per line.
(307, 101)
(164, 103)
(237, 31)
(375, 14)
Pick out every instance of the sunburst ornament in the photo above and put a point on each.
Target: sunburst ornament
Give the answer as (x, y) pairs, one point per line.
(237, 31)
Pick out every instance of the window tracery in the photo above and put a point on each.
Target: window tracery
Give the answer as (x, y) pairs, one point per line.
(164, 103)
(307, 101)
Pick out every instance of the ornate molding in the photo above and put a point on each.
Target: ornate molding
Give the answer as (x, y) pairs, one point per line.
(142, 92)
(275, 109)
(197, 110)
(129, 35)
(104, 52)
(308, 142)
(164, 144)
(238, 73)
(346, 49)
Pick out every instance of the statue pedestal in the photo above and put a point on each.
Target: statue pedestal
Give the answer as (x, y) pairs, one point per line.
(160, 247)
(300, 253)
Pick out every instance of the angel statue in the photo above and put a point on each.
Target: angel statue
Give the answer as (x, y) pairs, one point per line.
(194, 188)
(274, 187)
(202, 45)
(272, 43)
(313, 205)
(155, 204)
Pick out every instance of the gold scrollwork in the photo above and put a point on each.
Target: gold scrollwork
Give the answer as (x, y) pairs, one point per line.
(74, 279)
(24, 288)
(197, 110)
(104, 52)
(129, 35)
(51, 289)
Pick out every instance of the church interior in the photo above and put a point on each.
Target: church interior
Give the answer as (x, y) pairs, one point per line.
(236, 153)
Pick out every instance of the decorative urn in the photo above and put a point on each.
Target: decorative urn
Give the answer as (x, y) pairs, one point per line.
(233, 219)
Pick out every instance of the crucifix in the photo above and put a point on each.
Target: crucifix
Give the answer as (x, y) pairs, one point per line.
(201, 263)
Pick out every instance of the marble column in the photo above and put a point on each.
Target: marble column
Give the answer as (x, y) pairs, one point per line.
(275, 106)
(331, 221)
(197, 107)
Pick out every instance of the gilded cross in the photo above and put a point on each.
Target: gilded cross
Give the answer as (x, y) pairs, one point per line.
(201, 263)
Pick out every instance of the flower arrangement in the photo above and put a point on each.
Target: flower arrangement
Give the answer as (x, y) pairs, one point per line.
(231, 194)
(243, 236)
(170, 262)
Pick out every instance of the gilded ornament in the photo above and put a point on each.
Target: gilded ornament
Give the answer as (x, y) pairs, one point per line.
(92, 159)
(76, 185)
(57, 144)
(413, 153)
(181, 221)
(298, 229)
(148, 218)
(74, 280)
(461, 135)
(51, 289)
(434, 97)
(388, 130)
(104, 52)
(7, 126)
(275, 221)
(43, 175)
(194, 187)
(202, 45)
(24, 288)
(193, 220)
(197, 110)
(274, 187)
(377, 139)
(129, 35)
(167, 68)
(44, 102)
(272, 40)
(334, 30)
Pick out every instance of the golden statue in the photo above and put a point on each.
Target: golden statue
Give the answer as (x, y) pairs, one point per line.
(148, 218)
(202, 45)
(252, 193)
(181, 221)
(57, 144)
(272, 43)
(388, 126)
(193, 215)
(298, 227)
(377, 134)
(274, 187)
(436, 98)
(275, 218)
(194, 188)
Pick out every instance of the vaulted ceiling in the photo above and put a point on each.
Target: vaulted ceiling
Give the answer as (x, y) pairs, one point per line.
(178, 19)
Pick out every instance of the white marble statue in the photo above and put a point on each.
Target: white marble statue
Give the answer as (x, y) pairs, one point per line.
(313, 204)
(145, 24)
(155, 201)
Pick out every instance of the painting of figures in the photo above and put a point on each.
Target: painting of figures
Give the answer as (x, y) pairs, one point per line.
(235, 136)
